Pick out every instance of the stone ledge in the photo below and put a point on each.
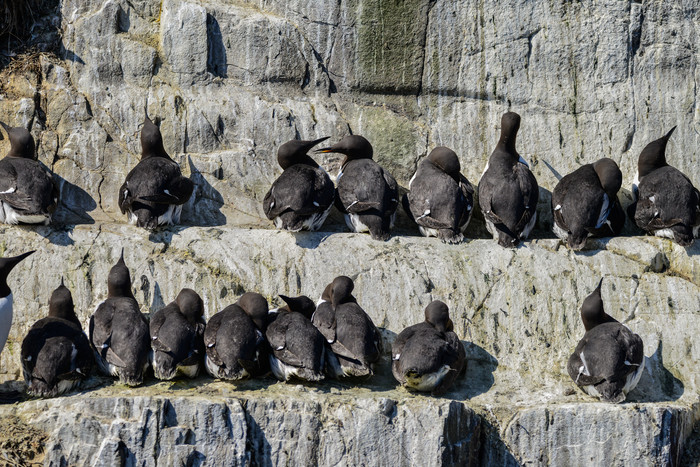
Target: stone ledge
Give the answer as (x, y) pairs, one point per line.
(521, 324)
(268, 423)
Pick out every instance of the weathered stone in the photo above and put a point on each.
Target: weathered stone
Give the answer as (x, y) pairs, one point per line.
(229, 82)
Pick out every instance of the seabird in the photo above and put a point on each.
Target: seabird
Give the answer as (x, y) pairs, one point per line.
(440, 199)
(429, 356)
(508, 191)
(350, 332)
(609, 359)
(302, 197)
(367, 194)
(28, 194)
(177, 337)
(154, 190)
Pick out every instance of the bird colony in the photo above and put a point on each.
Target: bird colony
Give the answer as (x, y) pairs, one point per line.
(334, 337)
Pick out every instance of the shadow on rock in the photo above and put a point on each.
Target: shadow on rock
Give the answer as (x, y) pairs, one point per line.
(204, 207)
(310, 240)
(493, 448)
(657, 384)
(257, 444)
(478, 377)
(694, 249)
(691, 449)
(164, 235)
(73, 205)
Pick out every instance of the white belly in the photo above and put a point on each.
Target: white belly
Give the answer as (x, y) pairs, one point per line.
(664, 233)
(355, 224)
(281, 370)
(5, 319)
(635, 187)
(559, 232)
(171, 216)
(428, 232)
(428, 382)
(9, 216)
(492, 229)
(633, 378)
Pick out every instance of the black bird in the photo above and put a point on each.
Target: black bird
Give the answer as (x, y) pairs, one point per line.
(508, 192)
(298, 348)
(609, 359)
(6, 265)
(302, 197)
(367, 194)
(350, 332)
(177, 337)
(56, 354)
(154, 190)
(583, 201)
(28, 194)
(440, 199)
(666, 203)
(429, 356)
(119, 332)
(235, 339)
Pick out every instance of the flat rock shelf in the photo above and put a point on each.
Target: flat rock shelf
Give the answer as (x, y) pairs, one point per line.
(517, 312)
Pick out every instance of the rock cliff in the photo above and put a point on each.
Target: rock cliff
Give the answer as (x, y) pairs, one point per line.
(229, 82)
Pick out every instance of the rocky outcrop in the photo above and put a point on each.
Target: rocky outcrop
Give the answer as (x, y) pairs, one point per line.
(231, 81)
(280, 424)
(519, 327)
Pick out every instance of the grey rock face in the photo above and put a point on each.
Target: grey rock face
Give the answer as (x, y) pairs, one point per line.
(519, 325)
(233, 81)
(230, 82)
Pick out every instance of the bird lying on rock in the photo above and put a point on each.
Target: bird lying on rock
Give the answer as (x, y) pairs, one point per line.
(349, 331)
(302, 197)
(56, 355)
(429, 356)
(177, 337)
(666, 203)
(235, 339)
(155, 190)
(609, 359)
(28, 193)
(440, 199)
(119, 332)
(298, 348)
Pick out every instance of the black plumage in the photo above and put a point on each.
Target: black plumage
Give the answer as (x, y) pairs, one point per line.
(429, 356)
(353, 338)
(177, 337)
(155, 190)
(28, 193)
(440, 199)
(366, 193)
(609, 359)
(508, 191)
(119, 332)
(302, 197)
(56, 355)
(235, 339)
(583, 201)
(6, 299)
(666, 202)
(298, 348)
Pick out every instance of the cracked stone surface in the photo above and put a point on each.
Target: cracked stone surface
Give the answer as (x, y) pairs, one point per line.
(229, 82)
(518, 326)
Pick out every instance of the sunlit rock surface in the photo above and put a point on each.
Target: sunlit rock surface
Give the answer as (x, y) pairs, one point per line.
(231, 81)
